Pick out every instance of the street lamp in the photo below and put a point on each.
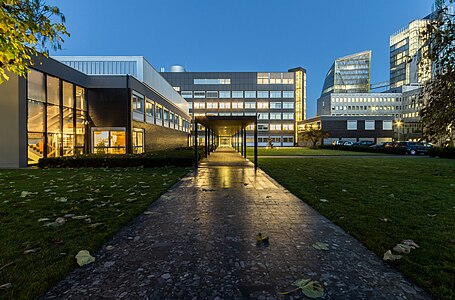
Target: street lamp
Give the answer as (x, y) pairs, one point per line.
(398, 124)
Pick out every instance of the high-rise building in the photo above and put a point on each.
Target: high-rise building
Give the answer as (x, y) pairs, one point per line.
(349, 74)
(405, 51)
(278, 99)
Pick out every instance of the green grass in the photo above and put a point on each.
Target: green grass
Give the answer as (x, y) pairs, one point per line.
(109, 197)
(417, 195)
(304, 151)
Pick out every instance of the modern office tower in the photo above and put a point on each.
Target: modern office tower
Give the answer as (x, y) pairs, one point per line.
(277, 98)
(60, 111)
(349, 74)
(405, 51)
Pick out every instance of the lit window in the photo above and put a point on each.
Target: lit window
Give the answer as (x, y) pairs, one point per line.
(288, 116)
(288, 105)
(263, 94)
(187, 94)
(225, 94)
(107, 141)
(263, 105)
(199, 94)
(275, 94)
(138, 140)
(199, 105)
(369, 125)
(288, 126)
(288, 94)
(263, 116)
(237, 94)
(225, 105)
(263, 78)
(213, 105)
(275, 116)
(386, 125)
(250, 105)
(275, 126)
(212, 81)
(275, 105)
(250, 94)
(237, 105)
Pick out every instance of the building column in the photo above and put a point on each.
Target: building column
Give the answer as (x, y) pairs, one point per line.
(244, 142)
(196, 160)
(255, 145)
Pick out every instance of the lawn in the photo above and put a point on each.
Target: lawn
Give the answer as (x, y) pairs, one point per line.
(95, 203)
(381, 202)
(304, 151)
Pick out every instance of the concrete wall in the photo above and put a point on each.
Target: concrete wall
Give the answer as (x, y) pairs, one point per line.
(162, 138)
(13, 131)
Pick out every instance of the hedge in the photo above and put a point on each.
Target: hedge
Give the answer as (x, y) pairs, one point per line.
(443, 152)
(178, 158)
(394, 150)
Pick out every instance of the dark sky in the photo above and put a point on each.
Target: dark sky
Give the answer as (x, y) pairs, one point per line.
(240, 35)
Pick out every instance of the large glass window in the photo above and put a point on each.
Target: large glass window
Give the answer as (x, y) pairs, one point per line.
(53, 144)
(80, 98)
(288, 94)
(166, 117)
(288, 116)
(138, 140)
(237, 94)
(275, 105)
(263, 94)
(369, 125)
(288, 105)
(275, 116)
(68, 131)
(199, 105)
(53, 90)
(53, 119)
(386, 125)
(109, 141)
(36, 89)
(68, 94)
(275, 94)
(225, 94)
(250, 94)
(80, 132)
(35, 116)
(35, 147)
(352, 125)
(263, 105)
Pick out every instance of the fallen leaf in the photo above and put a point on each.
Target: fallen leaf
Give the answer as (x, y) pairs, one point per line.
(310, 288)
(392, 195)
(385, 220)
(84, 258)
(43, 220)
(323, 200)
(6, 286)
(402, 248)
(388, 255)
(321, 246)
(410, 243)
(431, 215)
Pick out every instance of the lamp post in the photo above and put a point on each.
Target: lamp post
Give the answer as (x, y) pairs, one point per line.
(398, 125)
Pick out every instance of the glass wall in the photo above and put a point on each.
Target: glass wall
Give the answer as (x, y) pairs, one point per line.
(109, 141)
(56, 115)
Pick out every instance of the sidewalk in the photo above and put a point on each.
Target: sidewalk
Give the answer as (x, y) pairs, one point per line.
(198, 241)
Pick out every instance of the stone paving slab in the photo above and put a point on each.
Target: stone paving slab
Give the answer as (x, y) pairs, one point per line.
(198, 241)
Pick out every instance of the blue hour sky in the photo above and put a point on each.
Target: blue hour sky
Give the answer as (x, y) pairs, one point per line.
(240, 35)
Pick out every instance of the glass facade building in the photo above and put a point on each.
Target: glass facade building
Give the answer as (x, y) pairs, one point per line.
(349, 74)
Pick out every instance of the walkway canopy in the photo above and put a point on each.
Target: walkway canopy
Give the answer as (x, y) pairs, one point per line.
(225, 126)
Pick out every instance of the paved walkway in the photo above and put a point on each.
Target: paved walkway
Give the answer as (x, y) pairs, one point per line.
(198, 241)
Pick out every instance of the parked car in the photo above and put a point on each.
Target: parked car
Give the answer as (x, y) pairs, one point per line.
(379, 145)
(415, 148)
(337, 143)
(364, 143)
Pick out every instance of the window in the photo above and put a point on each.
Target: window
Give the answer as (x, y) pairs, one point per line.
(288, 116)
(166, 118)
(225, 105)
(138, 107)
(275, 94)
(237, 105)
(199, 94)
(138, 140)
(212, 94)
(80, 98)
(263, 105)
(263, 94)
(288, 139)
(275, 105)
(288, 78)
(187, 94)
(263, 78)
(212, 105)
(288, 126)
(159, 114)
(36, 86)
(288, 105)
(387, 125)
(237, 94)
(149, 108)
(35, 116)
(53, 90)
(212, 81)
(263, 127)
(352, 125)
(109, 141)
(190, 105)
(275, 126)
(199, 105)
(288, 94)
(275, 78)
(250, 105)
(275, 116)
(53, 119)
(369, 125)
(263, 116)
(225, 94)
(68, 98)
(250, 94)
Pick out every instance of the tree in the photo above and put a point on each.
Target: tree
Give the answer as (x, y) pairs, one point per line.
(313, 135)
(27, 29)
(438, 94)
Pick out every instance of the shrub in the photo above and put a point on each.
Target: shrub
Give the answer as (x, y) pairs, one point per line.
(178, 158)
(394, 150)
(443, 152)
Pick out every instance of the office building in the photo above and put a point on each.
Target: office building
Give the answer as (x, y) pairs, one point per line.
(60, 111)
(278, 99)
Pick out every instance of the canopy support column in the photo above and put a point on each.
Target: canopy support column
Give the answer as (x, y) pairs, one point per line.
(255, 145)
(196, 155)
(244, 142)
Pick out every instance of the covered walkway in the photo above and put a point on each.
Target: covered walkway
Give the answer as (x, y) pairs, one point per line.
(199, 241)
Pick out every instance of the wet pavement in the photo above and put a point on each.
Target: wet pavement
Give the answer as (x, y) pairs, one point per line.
(198, 241)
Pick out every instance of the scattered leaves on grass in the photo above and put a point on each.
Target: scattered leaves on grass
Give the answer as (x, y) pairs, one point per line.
(324, 200)
(61, 199)
(388, 255)
(410, 243)
(32, 250)
(392, 195)
(27, 194)
(6, 266)
(402, 248)
(310, 288)
(385, 220)
(344, 191)
(431, 215)
(43, 220)
(6, 286)
(83, 258)
(321, 246)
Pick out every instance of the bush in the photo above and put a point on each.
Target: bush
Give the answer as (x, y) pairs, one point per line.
(394, 150)
(178, 158)
(443, 152)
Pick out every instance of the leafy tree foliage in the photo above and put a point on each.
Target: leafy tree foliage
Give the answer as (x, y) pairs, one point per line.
(313, 135)
(27, 29)
(438, 114)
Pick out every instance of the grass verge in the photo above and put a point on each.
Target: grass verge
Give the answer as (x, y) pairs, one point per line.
(304, 151)
(101, 201)
(416, 196)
